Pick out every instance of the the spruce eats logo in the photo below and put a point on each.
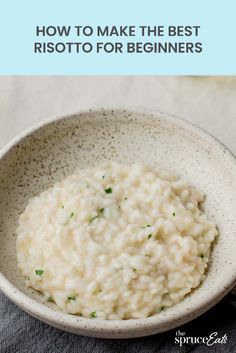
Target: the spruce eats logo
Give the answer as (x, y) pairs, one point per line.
(181, 338)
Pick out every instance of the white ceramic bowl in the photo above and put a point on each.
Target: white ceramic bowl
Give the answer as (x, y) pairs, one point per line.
(48, 152)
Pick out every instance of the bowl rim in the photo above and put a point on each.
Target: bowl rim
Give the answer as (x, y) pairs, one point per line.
(100, 327)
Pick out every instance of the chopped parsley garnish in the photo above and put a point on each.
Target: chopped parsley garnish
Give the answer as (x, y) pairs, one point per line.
(39, 272)
(93, 314)
(50, 299)
(202, 256)
(103, 177)
(62, 207)
(126, 198)
(146, 226)
(70, 216)
(173, 214)
(108, 190)
(72, 297)
(162, 308)
(134, 269)
(149, 236)
(93, 218)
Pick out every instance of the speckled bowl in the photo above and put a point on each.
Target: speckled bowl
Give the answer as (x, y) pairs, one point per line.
(52, 150)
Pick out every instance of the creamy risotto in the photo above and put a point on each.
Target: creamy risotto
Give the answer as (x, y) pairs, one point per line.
(115, 241)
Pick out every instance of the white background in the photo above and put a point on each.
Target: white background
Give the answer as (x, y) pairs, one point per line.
(209, 102)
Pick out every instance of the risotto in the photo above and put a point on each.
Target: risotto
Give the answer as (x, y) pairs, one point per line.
(115, 241)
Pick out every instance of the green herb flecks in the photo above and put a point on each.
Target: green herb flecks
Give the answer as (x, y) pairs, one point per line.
(39, 272)
(93, 314)
(62, 207)
(50, 299)
(71, 297)
(202, 256)
(149, 236)
(134, 269)
(71, 215)
(92, 218)
(173, 214)
(146, 226)
(100, 212)
(108, 190)
(126, 198)
(103, 177)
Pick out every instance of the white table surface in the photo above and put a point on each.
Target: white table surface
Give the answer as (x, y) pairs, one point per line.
(209, 102)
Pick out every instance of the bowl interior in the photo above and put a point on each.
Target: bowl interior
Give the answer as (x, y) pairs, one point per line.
(55, 150)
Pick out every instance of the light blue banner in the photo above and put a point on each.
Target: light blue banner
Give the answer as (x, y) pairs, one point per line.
(217, 35)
